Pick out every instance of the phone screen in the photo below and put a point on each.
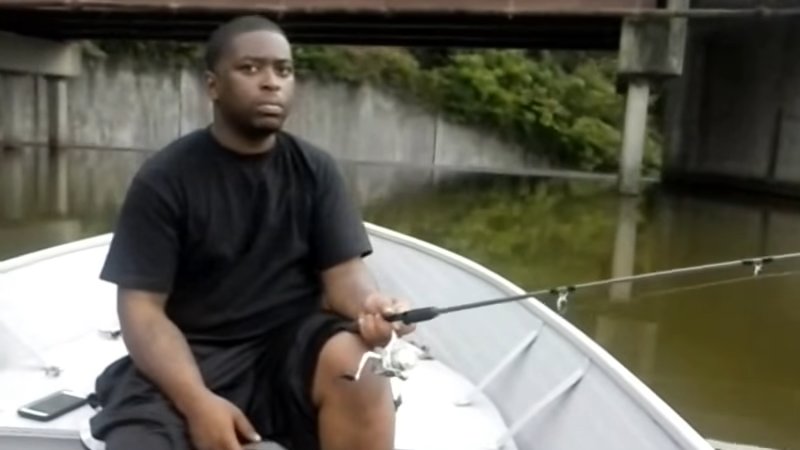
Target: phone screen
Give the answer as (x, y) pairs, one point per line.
(55, 403)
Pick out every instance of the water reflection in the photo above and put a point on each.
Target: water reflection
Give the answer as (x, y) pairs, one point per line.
(12, 183)
(624, 255)
(721, 355)
(633, 340)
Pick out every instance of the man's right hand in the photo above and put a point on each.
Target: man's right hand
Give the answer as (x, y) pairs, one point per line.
(216, 424)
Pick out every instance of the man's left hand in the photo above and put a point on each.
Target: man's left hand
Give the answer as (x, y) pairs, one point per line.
(374, 329)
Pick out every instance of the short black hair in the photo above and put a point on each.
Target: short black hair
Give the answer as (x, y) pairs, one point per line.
(225, 33)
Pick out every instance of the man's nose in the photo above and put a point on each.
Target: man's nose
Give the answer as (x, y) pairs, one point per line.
(270, 80)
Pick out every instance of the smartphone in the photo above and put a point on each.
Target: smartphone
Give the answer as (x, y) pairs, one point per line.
(54, 405)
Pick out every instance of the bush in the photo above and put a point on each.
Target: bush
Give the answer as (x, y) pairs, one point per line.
(571, 115)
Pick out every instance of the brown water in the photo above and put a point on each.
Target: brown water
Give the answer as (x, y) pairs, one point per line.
(719, 348)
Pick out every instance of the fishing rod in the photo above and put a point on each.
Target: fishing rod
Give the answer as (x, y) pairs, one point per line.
(431, 312)
(396, 359)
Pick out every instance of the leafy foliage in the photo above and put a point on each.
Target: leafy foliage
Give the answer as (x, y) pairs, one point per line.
(569, 112)
(147, 54)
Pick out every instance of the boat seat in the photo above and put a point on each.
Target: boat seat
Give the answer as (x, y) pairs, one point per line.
(90, 443)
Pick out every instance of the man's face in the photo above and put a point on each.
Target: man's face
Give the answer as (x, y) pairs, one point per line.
(253, 82)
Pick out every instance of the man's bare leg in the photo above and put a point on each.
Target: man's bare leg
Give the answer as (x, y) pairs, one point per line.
(354, 415)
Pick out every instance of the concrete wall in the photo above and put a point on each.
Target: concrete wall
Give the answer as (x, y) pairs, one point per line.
(734, 117)
(123, 107)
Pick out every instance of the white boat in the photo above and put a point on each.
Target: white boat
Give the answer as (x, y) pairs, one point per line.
(512, 376)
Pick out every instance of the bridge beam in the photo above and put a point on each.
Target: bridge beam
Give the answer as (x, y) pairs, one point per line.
(22, 54)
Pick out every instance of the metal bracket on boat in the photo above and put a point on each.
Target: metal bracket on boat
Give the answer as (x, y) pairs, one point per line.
(111, 335)
(557, 391)
(52, 371)
(758, 264)
(563, 298)
(395, 360)
(509, 358)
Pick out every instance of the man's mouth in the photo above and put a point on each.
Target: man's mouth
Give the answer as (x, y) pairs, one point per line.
(270, 109)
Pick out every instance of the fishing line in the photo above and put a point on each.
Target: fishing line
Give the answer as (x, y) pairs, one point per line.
(695, 287)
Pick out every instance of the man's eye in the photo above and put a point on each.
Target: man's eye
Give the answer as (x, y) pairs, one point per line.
(249, 68)
(285, 71)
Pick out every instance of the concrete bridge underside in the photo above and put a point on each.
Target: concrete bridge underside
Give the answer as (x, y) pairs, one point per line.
(733, 117)
(477, 23)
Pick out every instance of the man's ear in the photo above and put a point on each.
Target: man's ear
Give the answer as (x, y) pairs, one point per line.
(211, 85)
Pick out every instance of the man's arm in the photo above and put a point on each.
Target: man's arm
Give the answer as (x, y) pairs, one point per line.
(351, 291)
(347, 287)
(339, 241)
(144, 274)
(158, 348)
(142, 261)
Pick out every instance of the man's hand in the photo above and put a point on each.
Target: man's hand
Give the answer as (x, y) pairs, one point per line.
(216, 424)
(374, 329)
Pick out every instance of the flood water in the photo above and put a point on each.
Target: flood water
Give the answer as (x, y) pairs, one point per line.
(720, 347)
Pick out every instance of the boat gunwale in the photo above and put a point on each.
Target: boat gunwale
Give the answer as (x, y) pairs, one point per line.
(56, 251)
(660, 411)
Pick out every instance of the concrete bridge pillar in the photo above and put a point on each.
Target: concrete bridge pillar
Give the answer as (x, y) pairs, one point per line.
(56, 157)
(634, 136)
(650, 49)
(8, 118)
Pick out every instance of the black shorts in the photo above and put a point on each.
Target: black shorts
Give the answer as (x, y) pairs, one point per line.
(270, 379)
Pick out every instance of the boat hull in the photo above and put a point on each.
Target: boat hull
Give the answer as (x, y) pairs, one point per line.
(506, 377)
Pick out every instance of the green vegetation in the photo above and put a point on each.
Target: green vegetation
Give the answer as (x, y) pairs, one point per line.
(146, 55)
(561, 106)
(568, 111)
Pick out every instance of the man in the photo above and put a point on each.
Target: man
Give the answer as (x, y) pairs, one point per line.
(238, 260)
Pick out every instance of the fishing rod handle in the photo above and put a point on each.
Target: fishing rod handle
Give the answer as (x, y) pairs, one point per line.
(407, 317)
(414, 315)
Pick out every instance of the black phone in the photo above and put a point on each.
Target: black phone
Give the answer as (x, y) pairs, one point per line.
(52, 406)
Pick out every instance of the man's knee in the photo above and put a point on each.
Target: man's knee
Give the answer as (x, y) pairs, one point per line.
(136, 437)
(340, 356)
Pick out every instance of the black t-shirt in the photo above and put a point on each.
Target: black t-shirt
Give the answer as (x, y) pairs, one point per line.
(238, 242)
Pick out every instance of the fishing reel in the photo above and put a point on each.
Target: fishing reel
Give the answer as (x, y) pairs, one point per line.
(395, 360)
